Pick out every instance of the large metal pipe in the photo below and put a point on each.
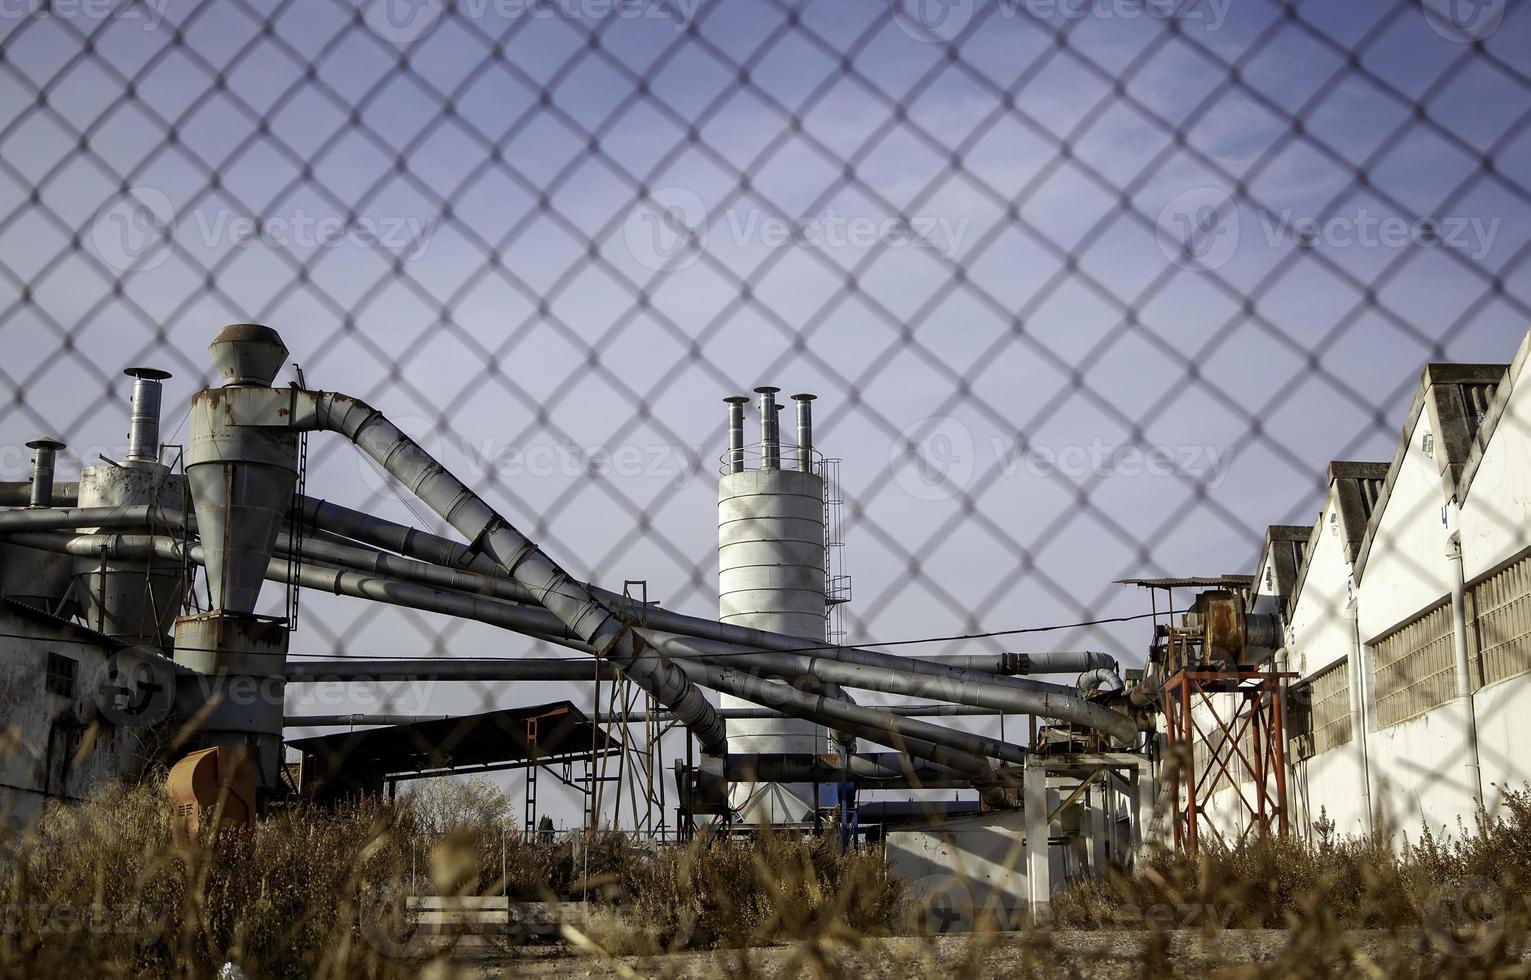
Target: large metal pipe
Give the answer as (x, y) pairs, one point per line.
(1020, 696)
(887, 675)
(1464, 697)
(932, 742)
(770, 428)
(539, 623)
(360, 720)
(143, 425)
(315, 672)
(136, 516)
(842, 665)
(875, 770)
(1100, 677)
(1356, 676)
(549, 584)
(1022, 664)
(444, 669)
(908, 678)
(14, 494)
(804, 432)
(45, 451)
(736, 405)
(830, 711)
(857, 669)
(959, 750)
(360, 585)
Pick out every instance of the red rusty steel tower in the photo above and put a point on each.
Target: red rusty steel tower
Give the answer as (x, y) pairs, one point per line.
(1245, 749)
(1224, 709)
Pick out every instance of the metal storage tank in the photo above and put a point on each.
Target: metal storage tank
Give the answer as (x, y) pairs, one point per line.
(771, 577)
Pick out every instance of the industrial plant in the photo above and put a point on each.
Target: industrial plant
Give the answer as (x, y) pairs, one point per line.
(1368, 674)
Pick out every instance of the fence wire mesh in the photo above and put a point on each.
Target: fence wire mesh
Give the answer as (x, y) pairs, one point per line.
(1087, 289)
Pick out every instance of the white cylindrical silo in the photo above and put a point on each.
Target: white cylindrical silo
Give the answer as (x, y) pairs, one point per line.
(771, 577)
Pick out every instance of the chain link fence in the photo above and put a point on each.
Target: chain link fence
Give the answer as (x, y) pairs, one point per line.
(1086, 288)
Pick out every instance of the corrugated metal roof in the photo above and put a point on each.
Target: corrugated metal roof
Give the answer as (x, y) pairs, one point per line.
(1194, 581)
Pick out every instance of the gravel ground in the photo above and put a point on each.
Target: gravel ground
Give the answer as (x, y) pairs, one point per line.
(1056, 954)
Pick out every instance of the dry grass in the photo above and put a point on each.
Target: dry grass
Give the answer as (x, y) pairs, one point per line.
(771, 888)
(1452, 906)
(103, 890)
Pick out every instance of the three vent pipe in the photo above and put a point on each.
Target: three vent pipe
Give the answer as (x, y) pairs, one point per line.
(770, 431)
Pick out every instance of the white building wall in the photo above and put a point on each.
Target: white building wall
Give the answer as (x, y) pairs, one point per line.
(1328, 786)
(1319, 626)
(1496, 514)
(1418, 767)
(1406, 570)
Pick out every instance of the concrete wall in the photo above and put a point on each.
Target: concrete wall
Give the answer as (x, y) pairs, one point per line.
(41, 731)
(964, 866)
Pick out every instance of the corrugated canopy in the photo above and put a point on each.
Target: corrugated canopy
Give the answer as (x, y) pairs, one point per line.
(1192, 582)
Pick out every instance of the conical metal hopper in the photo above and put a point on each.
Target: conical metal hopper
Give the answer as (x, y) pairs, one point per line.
(240, 507)
(241, 476)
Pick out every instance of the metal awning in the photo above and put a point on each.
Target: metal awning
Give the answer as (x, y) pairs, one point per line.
(1192, 582)
(541, 734)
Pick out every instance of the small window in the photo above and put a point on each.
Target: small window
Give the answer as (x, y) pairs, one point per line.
(61, 675)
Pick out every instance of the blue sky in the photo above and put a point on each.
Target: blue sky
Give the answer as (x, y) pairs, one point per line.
(984, 259)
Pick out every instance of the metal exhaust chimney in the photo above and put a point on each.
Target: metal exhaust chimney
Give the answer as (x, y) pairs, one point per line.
(736, 405)
(770, 428)
(804, 432)
(47, 449)
(143, 425)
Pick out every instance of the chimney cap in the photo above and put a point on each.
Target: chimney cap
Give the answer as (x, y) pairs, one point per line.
(738, 399)
(766, 390)
(804, 397)
(47, 442)
(147, 373)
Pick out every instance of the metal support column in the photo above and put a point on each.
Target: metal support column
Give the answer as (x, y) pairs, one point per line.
(1038, 863)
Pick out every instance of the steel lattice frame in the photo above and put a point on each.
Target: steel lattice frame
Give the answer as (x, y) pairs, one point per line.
(1192, 716)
